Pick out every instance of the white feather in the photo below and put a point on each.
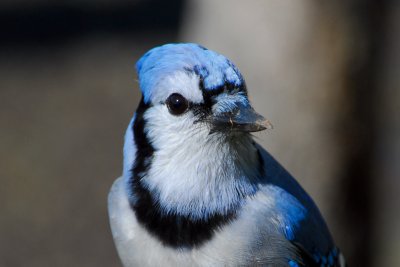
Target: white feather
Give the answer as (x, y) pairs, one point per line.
(192, 172)
(129, 150)
(241, 242)
(181, 82)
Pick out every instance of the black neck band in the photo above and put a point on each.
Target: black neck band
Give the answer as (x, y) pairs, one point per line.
(171, 229)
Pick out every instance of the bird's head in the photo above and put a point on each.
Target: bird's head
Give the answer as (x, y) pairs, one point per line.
(192, 128)
(189, 88)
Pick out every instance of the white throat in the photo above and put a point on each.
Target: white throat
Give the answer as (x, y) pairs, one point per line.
(193, 173)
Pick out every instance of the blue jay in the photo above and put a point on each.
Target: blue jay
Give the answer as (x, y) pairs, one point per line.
(196, 189)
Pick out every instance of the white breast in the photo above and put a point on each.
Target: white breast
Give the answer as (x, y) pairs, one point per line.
(239, 243)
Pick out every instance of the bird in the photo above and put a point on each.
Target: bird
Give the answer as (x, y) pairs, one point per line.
(196, 188)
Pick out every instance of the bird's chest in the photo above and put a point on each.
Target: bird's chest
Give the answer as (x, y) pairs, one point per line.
(256, 235)
(138, 247)
(229, 245)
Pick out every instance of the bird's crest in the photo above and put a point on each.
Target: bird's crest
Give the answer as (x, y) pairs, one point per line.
(214, 70)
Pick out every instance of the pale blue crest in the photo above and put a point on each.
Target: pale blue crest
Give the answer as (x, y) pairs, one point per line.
(214, 69)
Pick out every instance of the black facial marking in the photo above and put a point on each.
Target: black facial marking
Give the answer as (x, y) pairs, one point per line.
(172, 230)
(201, 112)
(204, 110)
(201, 71)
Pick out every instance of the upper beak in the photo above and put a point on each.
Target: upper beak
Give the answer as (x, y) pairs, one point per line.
(241, 118)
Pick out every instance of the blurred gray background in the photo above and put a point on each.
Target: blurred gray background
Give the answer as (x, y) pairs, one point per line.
(325, 73)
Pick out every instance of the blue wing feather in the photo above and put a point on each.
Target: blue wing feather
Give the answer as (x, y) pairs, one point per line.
(302, 223)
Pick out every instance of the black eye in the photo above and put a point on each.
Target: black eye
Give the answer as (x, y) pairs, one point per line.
(177, 104)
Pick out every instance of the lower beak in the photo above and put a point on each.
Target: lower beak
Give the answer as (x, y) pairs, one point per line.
(242, 118)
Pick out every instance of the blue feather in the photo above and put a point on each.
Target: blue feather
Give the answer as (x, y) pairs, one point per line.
(291, 210)
(214, 69)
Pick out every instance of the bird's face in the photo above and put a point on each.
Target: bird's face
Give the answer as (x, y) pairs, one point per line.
(184, 109)
(194, 94)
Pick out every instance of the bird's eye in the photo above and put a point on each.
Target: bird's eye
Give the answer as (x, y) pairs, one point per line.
(177, 104)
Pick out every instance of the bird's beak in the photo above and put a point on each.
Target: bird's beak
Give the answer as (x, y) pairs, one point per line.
(242, 117)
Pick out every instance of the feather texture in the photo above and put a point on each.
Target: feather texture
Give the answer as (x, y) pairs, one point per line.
(192, 196)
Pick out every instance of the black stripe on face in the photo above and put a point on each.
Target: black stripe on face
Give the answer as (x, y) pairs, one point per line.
(204, 110)
(208, 94)
(172, 230)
